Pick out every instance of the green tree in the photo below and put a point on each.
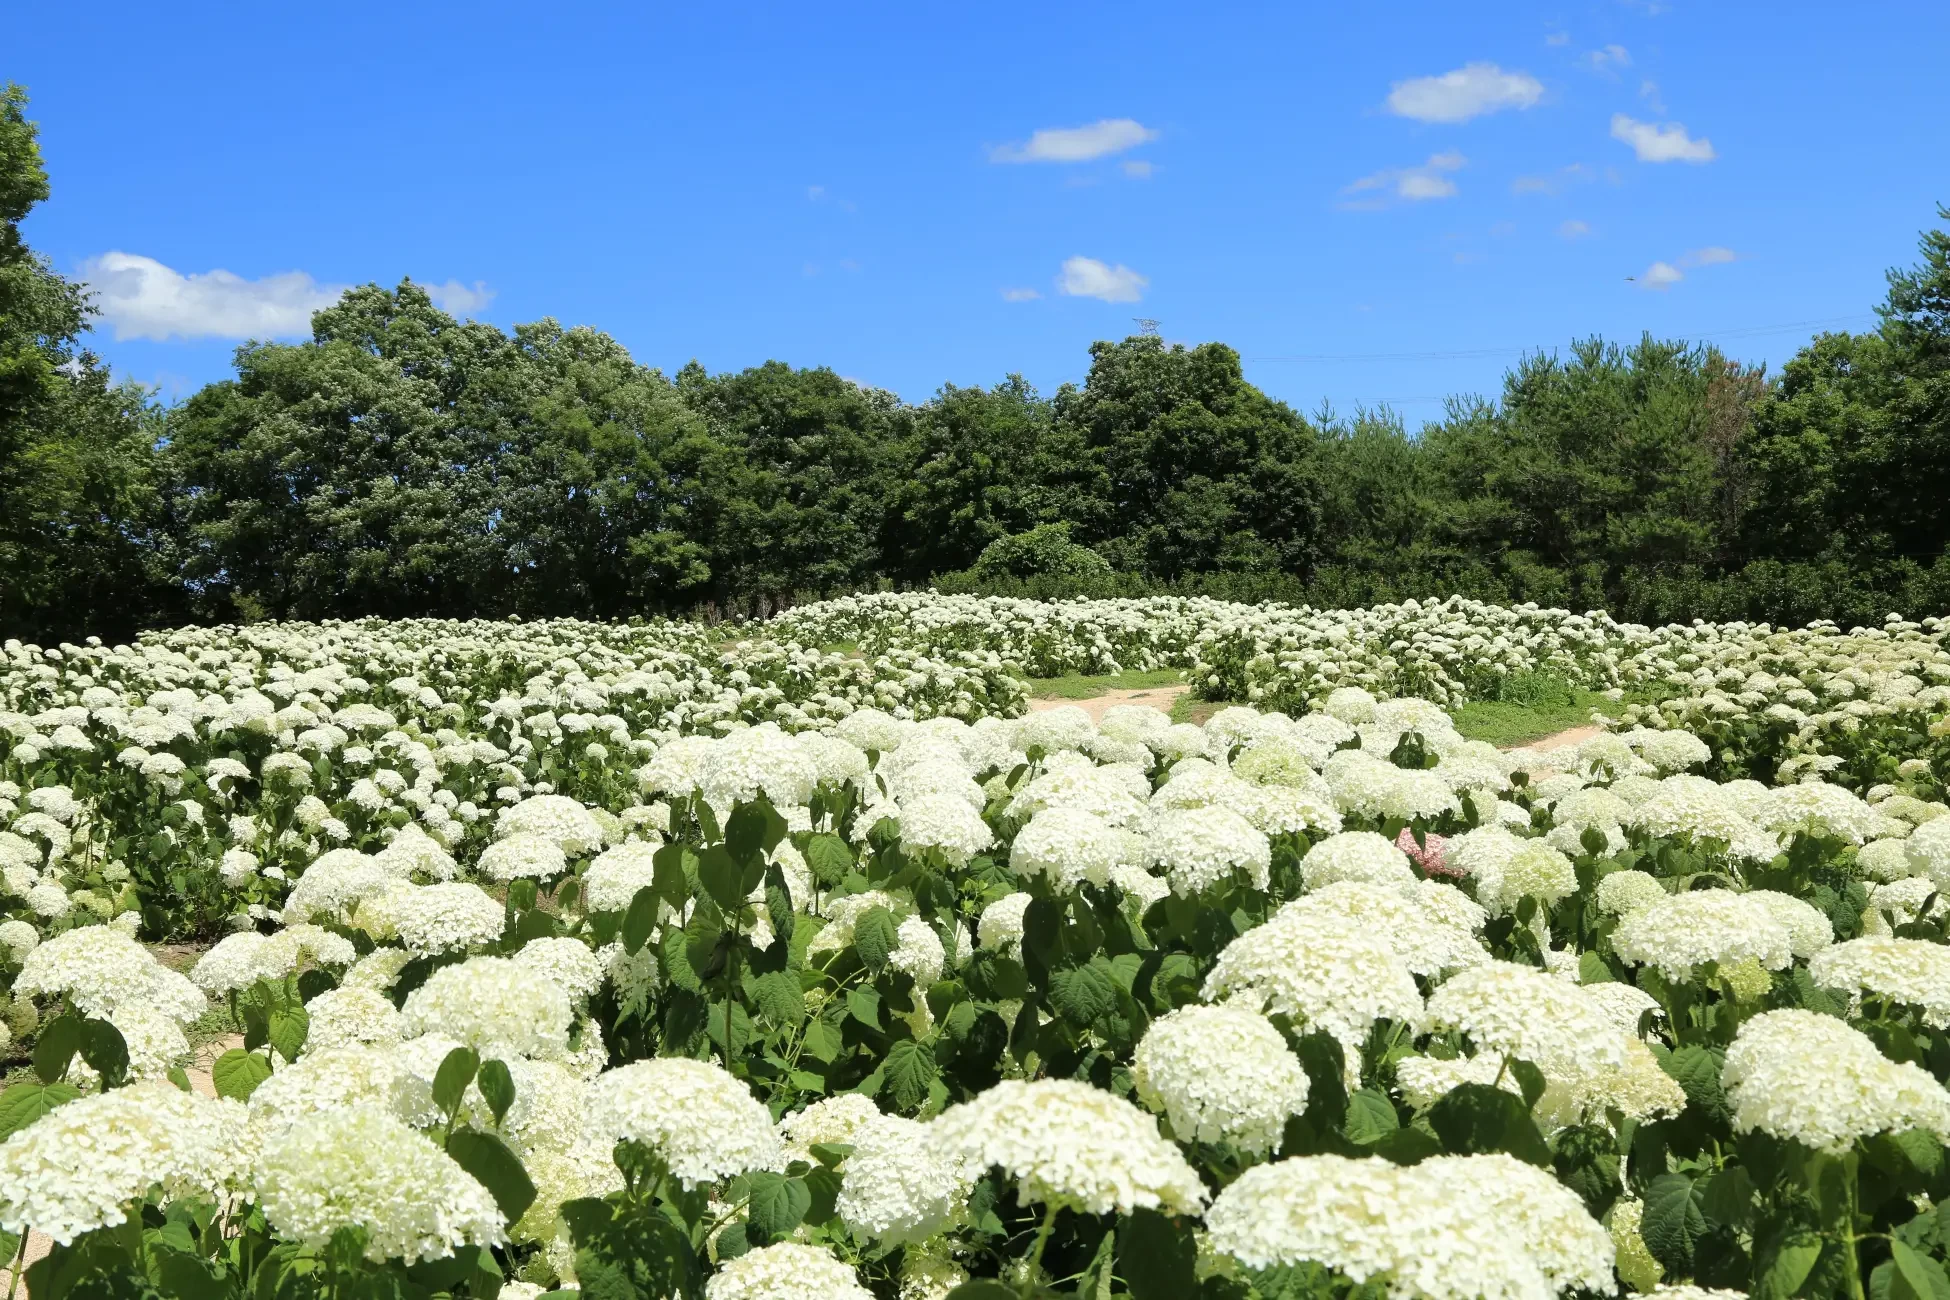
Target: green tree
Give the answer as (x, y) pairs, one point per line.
(1196, 469)
(403, 463)
(986, 463)
(803, 504)
(81, 546)
(1605, 459)
(1853, 455)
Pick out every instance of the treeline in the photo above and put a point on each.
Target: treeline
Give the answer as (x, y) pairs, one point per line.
(401, 462)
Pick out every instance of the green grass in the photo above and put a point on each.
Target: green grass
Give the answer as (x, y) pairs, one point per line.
(1531, 706)
(1189, 708)
(1078, 687)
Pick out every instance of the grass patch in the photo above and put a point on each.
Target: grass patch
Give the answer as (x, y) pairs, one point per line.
(1188, 708)
(1075, 686)
(1530, 706)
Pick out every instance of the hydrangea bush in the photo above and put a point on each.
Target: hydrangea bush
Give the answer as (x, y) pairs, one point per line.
(653, 963)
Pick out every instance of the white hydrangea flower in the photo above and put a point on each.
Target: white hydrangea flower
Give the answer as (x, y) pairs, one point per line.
(1000, 925)
(1220, 1074)
(704, 1124)
(1915, 972)
(352, 1016)
(1682, 931)
(1358, 856)
(1450, 1228)
(1067, 1143)
(786, 1270)
(448, 917)
(1856, 1092)
(360, 1167)
(523, 855)
(494, 1005)
(77, 1167)
(1519, 1011)
(1197, 848)
(947, 824)
(899, 1185)
(1068, 846)
(1319, 974)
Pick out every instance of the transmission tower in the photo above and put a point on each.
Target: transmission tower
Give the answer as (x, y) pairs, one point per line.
(1146, 325)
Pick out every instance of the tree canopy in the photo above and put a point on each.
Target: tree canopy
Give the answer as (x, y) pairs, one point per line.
(403, 462)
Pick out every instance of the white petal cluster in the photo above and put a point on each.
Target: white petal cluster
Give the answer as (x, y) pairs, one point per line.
(1067, 1143)
(1682, 931)
(1450, 1228)
(1068, 846)
(494, 1005)
(1319, 974)
(704, 1124)
(360, 1167)
(1220, 1074)
(78, 1167)
(1913, 972)
(1773, 1084)
(786, 1270)
(898, 1183)
(1519, 1011)
(1197, 848)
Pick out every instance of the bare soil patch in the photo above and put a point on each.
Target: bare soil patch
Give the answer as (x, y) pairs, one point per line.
(1160, 698)
(1562, 740)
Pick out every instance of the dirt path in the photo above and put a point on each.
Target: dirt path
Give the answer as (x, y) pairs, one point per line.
(1562, 740)
(1160, 698)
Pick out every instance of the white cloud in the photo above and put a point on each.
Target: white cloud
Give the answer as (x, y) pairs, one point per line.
(1649, 92)
(1573, 230)
(140, 298)
(1612, 56)
(1086, 277)
(1661, 276)
(1659, 144)
(1076, 143)
(1469, 91)
(1411, 183)
(1137, 169)
(1020, 295)
(457, 299)
(1558, 38)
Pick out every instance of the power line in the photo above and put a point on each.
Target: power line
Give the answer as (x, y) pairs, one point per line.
(1477, 354)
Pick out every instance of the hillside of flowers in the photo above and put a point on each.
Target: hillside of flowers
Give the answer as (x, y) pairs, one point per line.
(796, 961)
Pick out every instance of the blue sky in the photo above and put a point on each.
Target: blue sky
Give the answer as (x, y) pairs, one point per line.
(912, 194)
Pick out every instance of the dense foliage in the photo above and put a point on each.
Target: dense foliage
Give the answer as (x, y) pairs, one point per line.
(571, 954)
(401, 462)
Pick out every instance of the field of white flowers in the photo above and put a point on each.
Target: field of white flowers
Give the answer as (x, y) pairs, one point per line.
(795, 961)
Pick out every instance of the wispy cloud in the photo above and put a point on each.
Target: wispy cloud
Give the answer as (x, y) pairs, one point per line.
(1020, 295)
(457, 299)
(1137, 169)
(1551, 182)
(1660, 276)
(140, 298)
(1665, 143)
(1086, 277)
(1112, 135)
(1663, 275)
(1573, 230)
(1649, 92)
(1470, 91)
(1414, 184)
(1610, 58)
